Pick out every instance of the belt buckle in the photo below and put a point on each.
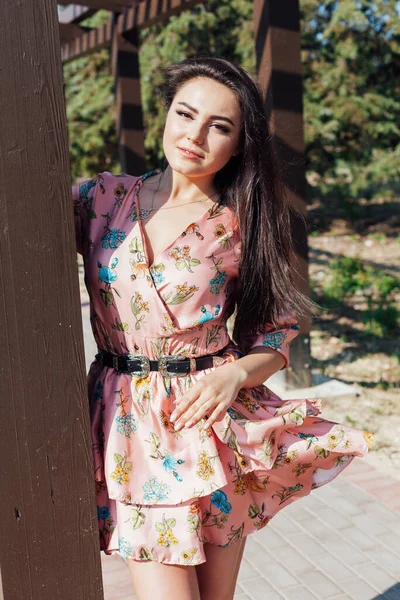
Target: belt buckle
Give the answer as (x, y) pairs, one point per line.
(144, 363)
(162, 364)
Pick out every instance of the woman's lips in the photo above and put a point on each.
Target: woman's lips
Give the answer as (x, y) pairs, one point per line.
(188, 154)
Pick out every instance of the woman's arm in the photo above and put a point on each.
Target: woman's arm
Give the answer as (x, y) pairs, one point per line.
(257, 366)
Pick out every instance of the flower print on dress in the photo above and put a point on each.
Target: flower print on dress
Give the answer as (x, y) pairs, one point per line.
(204, 465)
(260, 519)
(106, 529)
(207, 315)
(167, 424)
(225, 239)
(274, 340)
(143, 393)
(218, 281)
(246, 399)
(156, 490)
(113, 237)
(85, 198)
(182, 258)
(121, 471)
(168, 327)
(137, 518)
(287, 492)
(127, 423)
(156, 272)
(119, 194)
(187, 556)
(108, 275)
(183, 293)
(138, 306)
(169, 463)
(167, 536)
(124, 548)
(193, 228)
(138, 262)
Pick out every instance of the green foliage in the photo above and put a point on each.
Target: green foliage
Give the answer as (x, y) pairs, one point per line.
(350, 56)
(89, 96)
(349, 276)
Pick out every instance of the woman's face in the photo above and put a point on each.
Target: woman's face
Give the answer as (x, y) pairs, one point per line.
(204, 116)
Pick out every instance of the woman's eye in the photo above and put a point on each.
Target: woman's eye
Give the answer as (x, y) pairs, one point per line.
(221, 127)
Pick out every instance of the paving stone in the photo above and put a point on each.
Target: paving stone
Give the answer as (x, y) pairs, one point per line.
(376, 576)
(381, 556)
(369, 526)
(336, 545)
(306, 544)
(333, 567)
(291, 559)
(274, 573)
(333, 518)
(246, 571)
(284, 526)
(343, 506)
(359, 590)
(320, 585)
(358, 538)
(259, 589)
(391, 540)
(382, 514)
(298, 593)
(268, 537)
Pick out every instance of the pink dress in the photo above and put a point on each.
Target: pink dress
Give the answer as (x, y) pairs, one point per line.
(161, 493)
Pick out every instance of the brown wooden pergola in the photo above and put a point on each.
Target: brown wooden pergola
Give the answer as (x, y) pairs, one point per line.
(49, 536)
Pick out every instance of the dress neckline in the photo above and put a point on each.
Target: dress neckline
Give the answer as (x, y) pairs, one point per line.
(157, 258)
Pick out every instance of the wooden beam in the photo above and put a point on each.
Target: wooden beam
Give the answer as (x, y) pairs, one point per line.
(129, 115)
(145, 14)
(48, 528)
(277, 39)
(113, 5)
(70, 31)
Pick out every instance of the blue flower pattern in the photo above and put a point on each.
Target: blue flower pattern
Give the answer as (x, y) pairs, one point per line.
(155, 490)
(113, 239)
(220, 500)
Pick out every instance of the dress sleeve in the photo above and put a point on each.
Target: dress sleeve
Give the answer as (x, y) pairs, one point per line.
(83, 195)
(277, 338)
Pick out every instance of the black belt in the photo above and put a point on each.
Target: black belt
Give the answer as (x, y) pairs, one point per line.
(169, 365)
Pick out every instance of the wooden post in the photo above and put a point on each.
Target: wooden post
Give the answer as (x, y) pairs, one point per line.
(277, 42)
(48, 528)
(128, 100)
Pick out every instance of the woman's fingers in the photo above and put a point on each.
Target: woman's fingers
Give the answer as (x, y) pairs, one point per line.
(194, 413)
(200, 413)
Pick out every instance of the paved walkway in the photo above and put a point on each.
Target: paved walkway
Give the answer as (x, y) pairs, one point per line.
(340, 542)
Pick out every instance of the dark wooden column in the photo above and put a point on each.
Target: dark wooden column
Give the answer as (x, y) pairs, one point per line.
(48, 528)
(128, 101)
(277, 42)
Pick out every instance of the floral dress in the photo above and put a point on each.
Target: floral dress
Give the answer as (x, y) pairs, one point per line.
(162, 494)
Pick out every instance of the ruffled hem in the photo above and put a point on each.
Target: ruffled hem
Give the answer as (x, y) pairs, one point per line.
(298, 453)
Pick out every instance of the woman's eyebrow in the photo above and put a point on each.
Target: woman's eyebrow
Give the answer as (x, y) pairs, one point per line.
(211, 116)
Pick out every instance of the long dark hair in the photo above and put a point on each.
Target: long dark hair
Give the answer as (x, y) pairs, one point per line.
(250, 186)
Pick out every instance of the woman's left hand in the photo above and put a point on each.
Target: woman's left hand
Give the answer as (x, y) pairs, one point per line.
(211, 395)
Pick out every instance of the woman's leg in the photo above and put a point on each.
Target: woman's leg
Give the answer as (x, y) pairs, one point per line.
(217, 576)
(153, 580)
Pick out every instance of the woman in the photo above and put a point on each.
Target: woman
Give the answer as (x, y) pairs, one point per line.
(193, 456)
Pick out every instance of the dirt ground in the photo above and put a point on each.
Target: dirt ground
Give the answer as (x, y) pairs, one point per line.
(339, 345)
